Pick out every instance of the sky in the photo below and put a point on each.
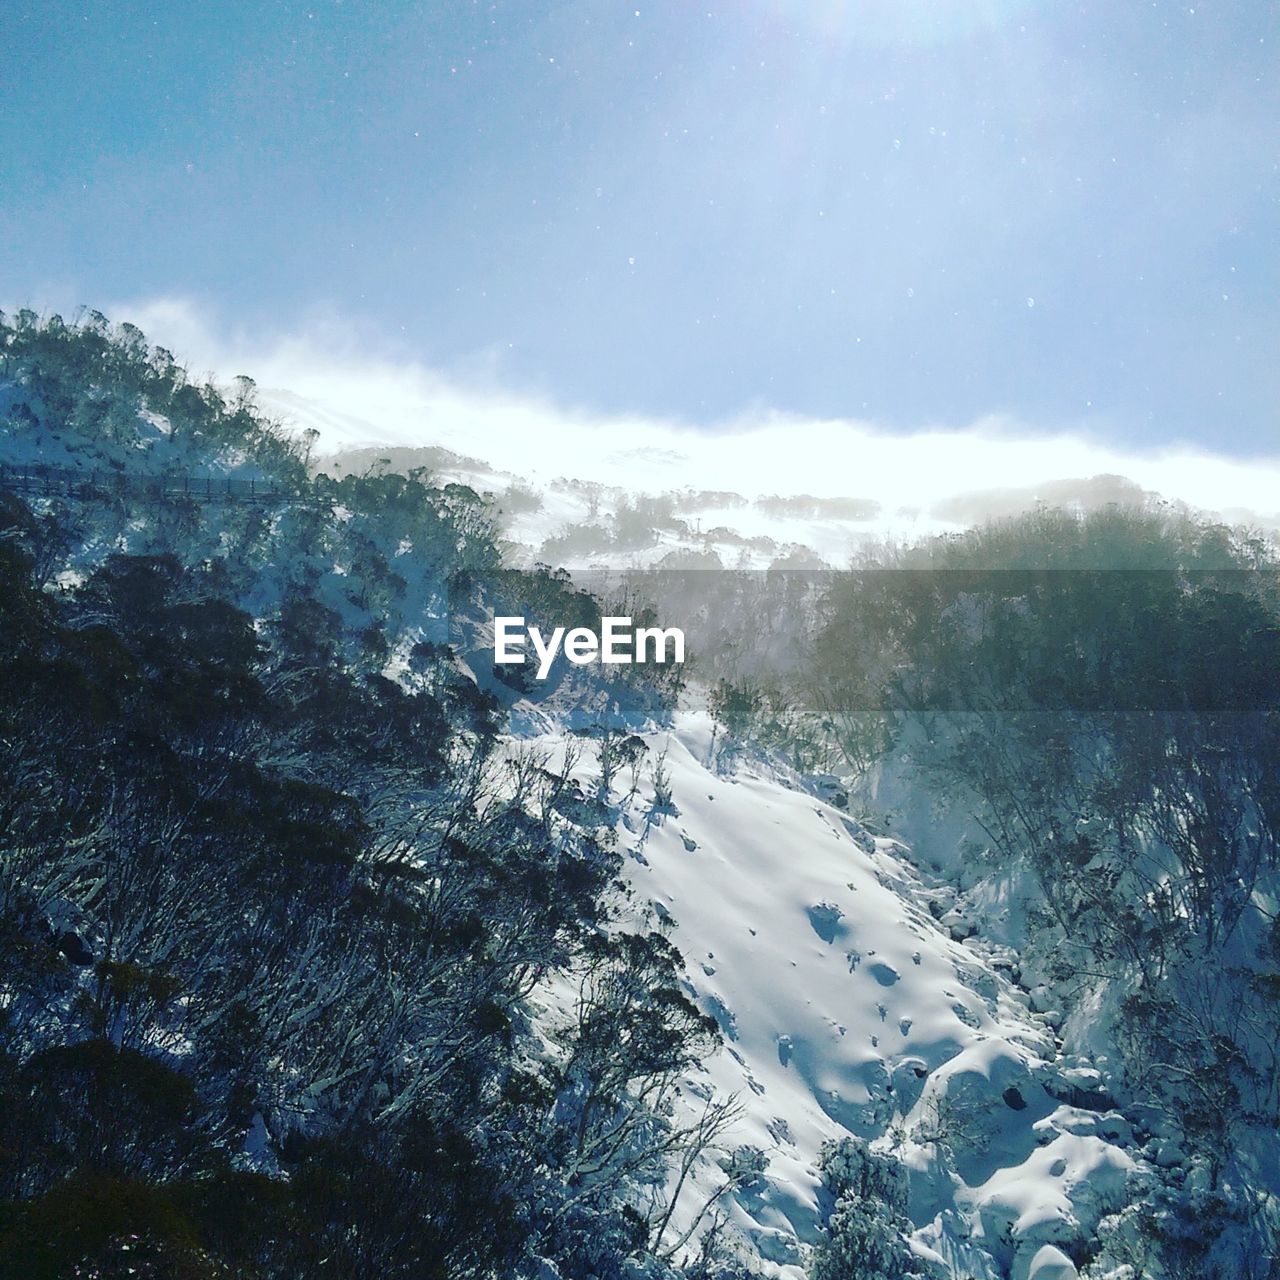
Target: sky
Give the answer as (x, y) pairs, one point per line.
(917, 214)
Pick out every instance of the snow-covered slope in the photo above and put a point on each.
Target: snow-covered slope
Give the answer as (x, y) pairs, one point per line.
(846, 1008)
(856, 997)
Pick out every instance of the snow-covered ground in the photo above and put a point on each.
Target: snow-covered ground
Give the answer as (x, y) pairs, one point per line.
(850, 999)
(846, 1008)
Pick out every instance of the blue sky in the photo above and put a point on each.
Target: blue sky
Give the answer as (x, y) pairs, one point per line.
(910, 212)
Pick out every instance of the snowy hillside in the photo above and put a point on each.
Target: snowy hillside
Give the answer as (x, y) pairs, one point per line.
(847, 1009)
(667, 1002)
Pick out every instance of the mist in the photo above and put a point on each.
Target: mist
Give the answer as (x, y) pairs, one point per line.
(353, 390)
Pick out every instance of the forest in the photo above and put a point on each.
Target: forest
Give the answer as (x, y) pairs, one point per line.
(283, 893)
(258, 897)
(1098, 697)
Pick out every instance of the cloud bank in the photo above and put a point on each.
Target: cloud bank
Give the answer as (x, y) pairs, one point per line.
(321, 375)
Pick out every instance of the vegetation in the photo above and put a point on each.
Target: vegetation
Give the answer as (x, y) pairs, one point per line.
(866, 1229)
(274, 895)
(1102, 694)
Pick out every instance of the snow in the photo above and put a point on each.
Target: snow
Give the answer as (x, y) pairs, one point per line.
(1047, 1263)
(1055, 1195)
(847, 1009)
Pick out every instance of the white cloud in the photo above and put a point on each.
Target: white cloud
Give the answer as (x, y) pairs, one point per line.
(323, 375)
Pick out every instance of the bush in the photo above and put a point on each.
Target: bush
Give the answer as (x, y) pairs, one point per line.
(864, 1237)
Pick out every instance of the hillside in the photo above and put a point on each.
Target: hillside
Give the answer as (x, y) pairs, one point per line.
(875, 943)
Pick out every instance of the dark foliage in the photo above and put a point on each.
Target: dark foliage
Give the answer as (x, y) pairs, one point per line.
(269, 917)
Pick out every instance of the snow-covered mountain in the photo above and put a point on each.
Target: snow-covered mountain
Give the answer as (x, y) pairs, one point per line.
(864, 968)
